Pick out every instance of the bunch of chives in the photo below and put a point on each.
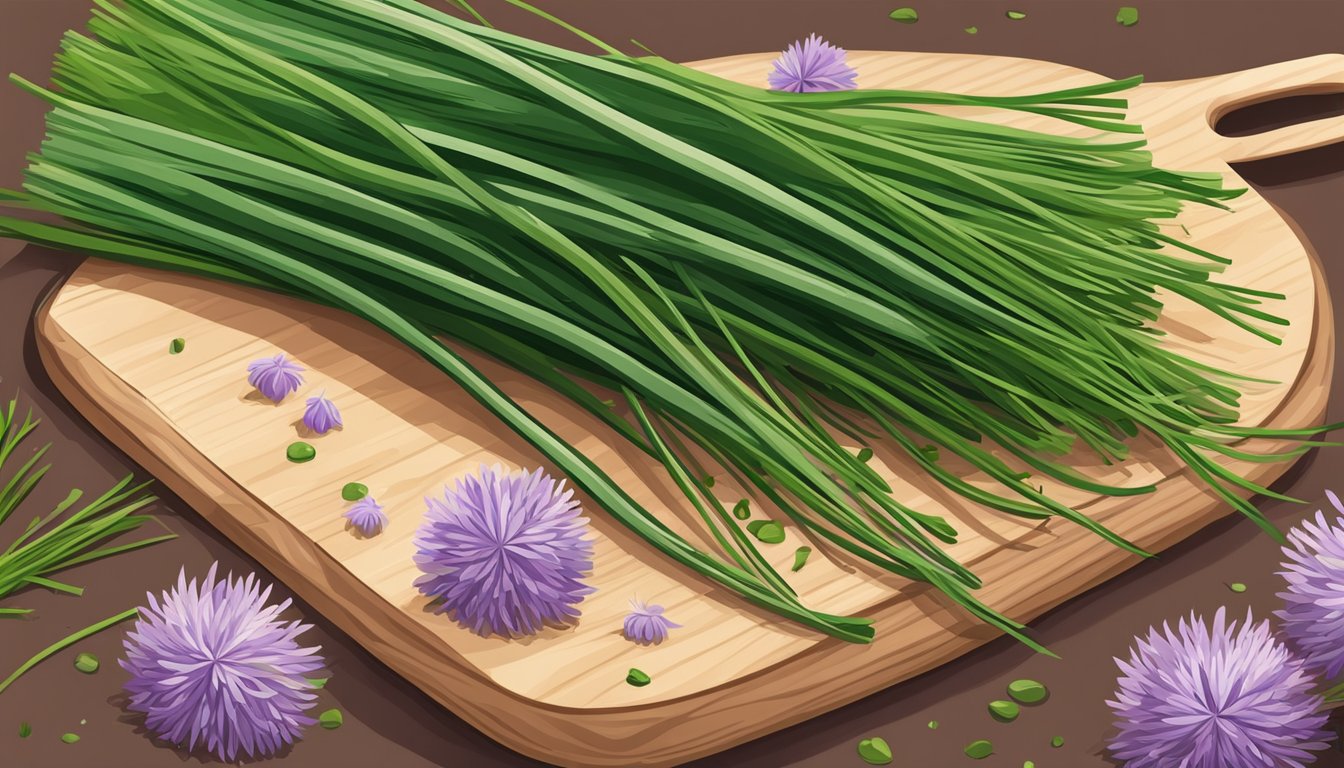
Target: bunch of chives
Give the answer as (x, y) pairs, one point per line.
(748, 269)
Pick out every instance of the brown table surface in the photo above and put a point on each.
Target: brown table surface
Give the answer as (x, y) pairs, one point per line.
(389, 723)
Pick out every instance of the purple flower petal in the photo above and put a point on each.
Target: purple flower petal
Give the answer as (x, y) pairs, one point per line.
(1201, 697)
(321, 415)
(646, 624)
(367, 516)
(812, 65)
(274, 377)
(505, 554)
(214, 665)
(1313, 614)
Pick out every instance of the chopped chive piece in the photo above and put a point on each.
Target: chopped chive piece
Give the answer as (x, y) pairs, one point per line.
(69, 738)
(1057, 742)
(800, 558)
(1128, 16)
(930, 452)
(979, 750)
(1028, 764)
(933, 725)
(1021, 475)
(299, 452)
(317, 682)
(742, 509)
(609, 403)
(905, 15)
(767, 531)
(1005, 711)
(865, 454)
(875, 751)
(637, 678)
(972, 30)
(1237, 586)
(86, 663)
(331, 719)
(354, 491)
(1016, 15)
(25, 730)
(177, 345)
(1028, 691)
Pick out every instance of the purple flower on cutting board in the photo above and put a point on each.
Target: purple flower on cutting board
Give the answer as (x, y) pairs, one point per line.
(1313, 613)
(1215, 697)
(321, 415)
(505, 553)
(212, 664)
(812, 65)
(646, 624)
(274, 377)
(367, 516)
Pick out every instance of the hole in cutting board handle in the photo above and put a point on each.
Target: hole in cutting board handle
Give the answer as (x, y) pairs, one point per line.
(1291, 108)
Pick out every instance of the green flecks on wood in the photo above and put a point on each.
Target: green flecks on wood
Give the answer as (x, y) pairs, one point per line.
(875, 751)
(300, 452)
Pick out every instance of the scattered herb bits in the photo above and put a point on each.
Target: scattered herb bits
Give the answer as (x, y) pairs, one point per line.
(1057, 742)
(709, 481)
(1237, 587)
(86, 663)
(176, 346)
(1016, 15)
(1127, 16)
(930, 452)
(331, 719)
(69, 738)
(972, 30)
(300, 452)
(800, 556)
(25, 730)
(905, 15)
(767, 531)
(865, 454)
(317, 682)
(742, 509)
(933, 725)
(979, 750)
(637, 678)
(875, 751)
(1028, 691)
(1004, 711)
(354, 491)
(1029, 764)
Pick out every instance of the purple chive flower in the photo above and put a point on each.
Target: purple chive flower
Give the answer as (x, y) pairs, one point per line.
(212, 664)
(646, 624)
(274, 377)
(1215, 698)
(1313, 614)
(321, 415)
(812, 65)
(505, 553)
(367, 516)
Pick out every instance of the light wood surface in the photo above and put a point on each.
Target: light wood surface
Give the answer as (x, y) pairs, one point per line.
(733, 672)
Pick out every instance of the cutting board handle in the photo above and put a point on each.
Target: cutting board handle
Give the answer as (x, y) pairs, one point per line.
(1224, 93)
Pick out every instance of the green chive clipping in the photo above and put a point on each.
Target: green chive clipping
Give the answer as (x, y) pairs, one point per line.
(1016, 15)
(354, 491)
(767, 531)
(1028, 691)
(1128, 16)
(86, 663)
(875, 751)
(25, 730)
(979, 750)
(1005, 711)
(905, 15)
(865, 454)
(930, 452)
(300, 452)
(317, 682)
(69, 738)
(177, 345)
(933, 725)
(972, 30)
(1057, 742)
(1028, 764)
(638, 678)
(1237, 587)
(709, 481)
(331, 719)
(742, 509)
(800, 558)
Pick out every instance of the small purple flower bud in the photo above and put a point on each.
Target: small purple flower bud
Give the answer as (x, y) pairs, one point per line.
(321, 415)
(812, 65)
(646, 624)
(274, 377)
(367, 516)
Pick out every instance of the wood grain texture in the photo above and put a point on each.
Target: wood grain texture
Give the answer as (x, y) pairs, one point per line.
(733, 673)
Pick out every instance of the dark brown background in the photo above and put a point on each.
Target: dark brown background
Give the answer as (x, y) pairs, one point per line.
(390, 724)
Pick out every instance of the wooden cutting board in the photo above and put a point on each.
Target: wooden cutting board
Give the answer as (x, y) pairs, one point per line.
(733, 672)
